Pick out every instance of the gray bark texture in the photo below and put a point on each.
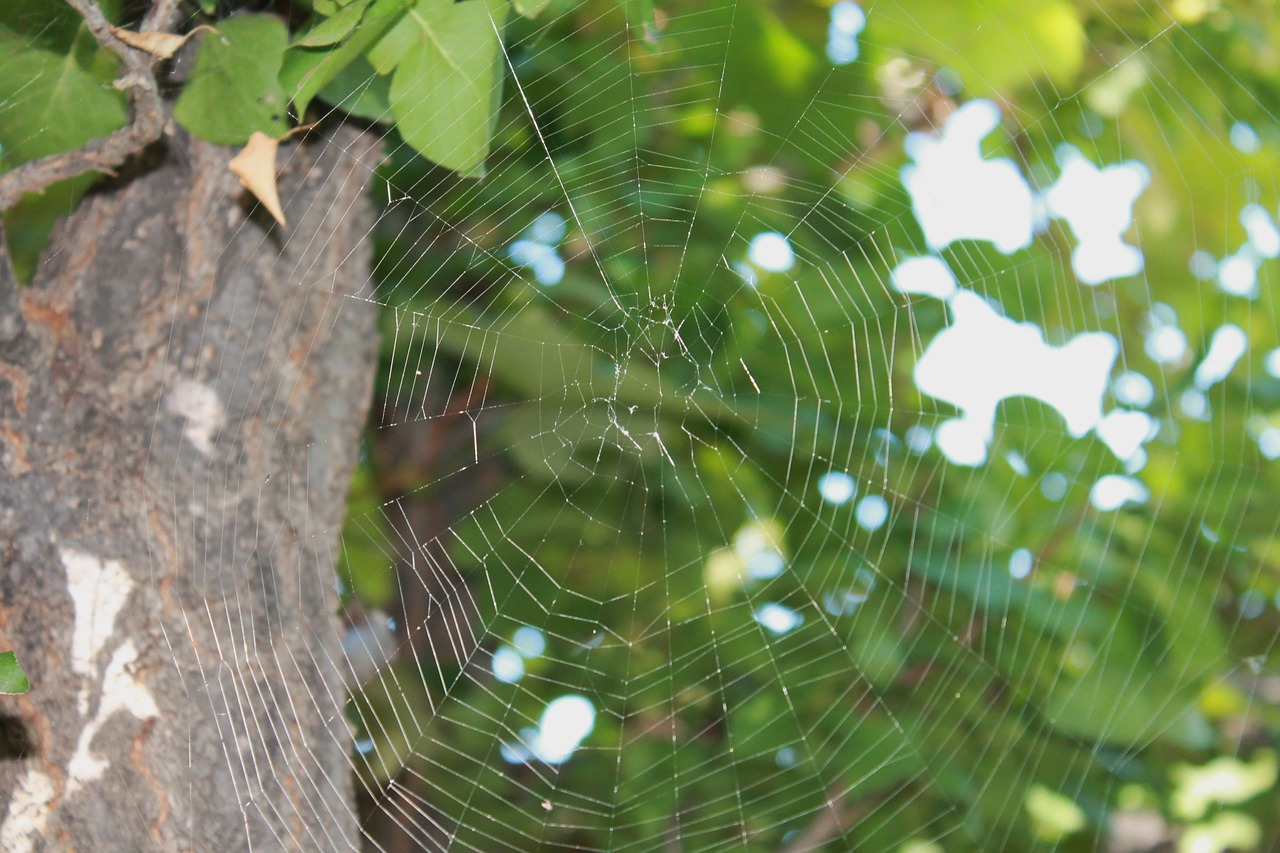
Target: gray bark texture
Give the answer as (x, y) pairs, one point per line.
(182, 390)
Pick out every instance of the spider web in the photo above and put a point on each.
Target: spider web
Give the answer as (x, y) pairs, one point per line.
(792, 443)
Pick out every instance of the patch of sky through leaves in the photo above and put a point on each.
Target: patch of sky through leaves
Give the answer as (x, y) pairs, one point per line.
(983, 357)
(563, 726)
(1237, 273)
(957, 194)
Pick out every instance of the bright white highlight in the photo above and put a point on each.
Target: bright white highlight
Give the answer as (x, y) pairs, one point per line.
(1261, 230)
(962, 441)
(1238, 273)
(1229, 343)
(1244, 138)
(1194, 404)
(982, 358)
(847, 23)
(927, 276)
(956, 194)
(777, 618)
(757, 546)
(1133, 389)
(537, 251)
(1054, 485)
(507, 665)
(200, 405)
(1124, 432)
(563, 726)
(1269, 444)
(1114, 491)
(872, 512)
(1202, 265)
(547, 228)
(548, 267)
(1165, 342)
(1098, 206)
(529, 641)
(1020, 563)
(1272, 363)
(836, 488)
(765, 565)
(771, 251)
(918, 439)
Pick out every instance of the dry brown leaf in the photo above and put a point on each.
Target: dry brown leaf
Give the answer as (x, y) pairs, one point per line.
(255, 166)
(162, 45)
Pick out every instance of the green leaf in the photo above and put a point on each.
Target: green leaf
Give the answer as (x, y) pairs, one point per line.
(308, 70)
(333, 29)
(52, 104)
(530, 8)
(12, 678)
(235, 87)
(391, 48)
(29, 224)
(358, 91)
(441, 93)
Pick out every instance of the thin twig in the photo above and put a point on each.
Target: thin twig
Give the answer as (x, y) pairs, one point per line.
(103, 154)
(161, 17)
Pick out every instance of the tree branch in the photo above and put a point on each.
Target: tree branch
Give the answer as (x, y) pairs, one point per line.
(103, 154)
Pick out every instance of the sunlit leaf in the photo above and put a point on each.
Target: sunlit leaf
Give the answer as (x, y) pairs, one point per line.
(308, 70)
(442, 90)
(335, 28)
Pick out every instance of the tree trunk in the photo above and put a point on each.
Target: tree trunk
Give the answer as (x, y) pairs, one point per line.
(181, 395)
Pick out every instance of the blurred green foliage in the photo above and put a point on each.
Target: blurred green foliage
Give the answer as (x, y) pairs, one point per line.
(652, 406)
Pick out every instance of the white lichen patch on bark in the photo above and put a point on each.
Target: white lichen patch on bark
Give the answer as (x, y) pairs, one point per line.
(99, 589)
(200, 405)
(120, 692)
(29, 809)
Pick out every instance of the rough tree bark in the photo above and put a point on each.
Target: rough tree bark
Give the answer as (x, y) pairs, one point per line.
(181, 394)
